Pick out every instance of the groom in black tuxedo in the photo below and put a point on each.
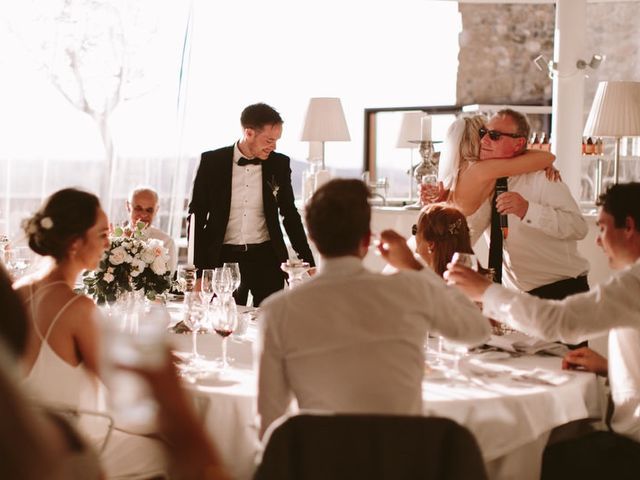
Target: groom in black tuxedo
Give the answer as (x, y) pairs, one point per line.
(237, 193)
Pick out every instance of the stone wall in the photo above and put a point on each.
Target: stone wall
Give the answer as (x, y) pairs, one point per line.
(499, 42)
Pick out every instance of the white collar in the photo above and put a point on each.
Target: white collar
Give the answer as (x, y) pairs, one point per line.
(339, 266)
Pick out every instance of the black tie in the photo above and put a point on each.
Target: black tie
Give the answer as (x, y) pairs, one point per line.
(245, 161)
(495, 244)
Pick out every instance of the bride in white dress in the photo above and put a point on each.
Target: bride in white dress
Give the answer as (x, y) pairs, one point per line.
(61, 360)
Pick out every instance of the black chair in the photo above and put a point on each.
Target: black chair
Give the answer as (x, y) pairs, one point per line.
(310, 447)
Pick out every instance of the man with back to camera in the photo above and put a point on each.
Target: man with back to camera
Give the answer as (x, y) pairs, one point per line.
(143, 206)
(237, 194)
(350, 340)
(614, 307)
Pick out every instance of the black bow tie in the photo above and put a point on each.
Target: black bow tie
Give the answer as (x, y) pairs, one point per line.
(245, 161)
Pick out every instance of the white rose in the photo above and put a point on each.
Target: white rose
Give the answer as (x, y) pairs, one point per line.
(138, 264)
(148, 255)
(135, 273)
(107, 277)
(118, 256)
(159, 266)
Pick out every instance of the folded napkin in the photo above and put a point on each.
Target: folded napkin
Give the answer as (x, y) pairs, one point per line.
(540, 376)
(521, 343)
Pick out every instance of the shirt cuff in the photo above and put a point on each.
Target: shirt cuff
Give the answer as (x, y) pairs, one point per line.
(533, 215)
(491, 300)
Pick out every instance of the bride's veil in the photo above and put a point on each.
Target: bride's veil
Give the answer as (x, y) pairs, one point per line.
(450, 156)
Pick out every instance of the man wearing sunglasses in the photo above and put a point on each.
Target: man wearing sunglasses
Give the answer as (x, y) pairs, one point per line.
(540, 253)
(142, 206)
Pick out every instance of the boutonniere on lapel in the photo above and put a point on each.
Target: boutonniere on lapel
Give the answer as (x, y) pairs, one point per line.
(273, 185)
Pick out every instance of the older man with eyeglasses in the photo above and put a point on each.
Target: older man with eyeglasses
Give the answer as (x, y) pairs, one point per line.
(540, 252)
(142, 206)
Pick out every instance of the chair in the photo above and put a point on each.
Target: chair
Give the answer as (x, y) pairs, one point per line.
(374, 447)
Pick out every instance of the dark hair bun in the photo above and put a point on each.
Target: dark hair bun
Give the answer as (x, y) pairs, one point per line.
(65, 216)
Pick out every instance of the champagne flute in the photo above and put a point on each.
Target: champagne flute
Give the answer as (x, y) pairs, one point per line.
(224, 325)
(222, 283)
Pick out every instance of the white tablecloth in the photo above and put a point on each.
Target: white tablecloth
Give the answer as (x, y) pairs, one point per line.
(510, 418)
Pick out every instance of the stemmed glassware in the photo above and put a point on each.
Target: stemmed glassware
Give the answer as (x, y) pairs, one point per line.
(224, 324)
(234, 271)
(194, 319)
(295, 270)
(431, 181)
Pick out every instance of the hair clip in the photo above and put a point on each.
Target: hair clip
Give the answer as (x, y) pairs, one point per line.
(454, 228)
(46, 223)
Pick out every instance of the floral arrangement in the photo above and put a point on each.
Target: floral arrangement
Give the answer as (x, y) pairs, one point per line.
(131, 263)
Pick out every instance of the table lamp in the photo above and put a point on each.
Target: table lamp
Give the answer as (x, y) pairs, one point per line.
(324, 122)
(615, 112)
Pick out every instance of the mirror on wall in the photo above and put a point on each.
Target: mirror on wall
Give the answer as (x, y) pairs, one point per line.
(389, 159)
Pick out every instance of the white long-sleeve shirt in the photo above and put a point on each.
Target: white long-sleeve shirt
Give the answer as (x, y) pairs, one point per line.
(612, 306)
(542, 247)
(349, 340)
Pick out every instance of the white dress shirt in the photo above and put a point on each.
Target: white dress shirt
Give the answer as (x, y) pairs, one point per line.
(350, 340)
(169, 244)
(542, 248)
(612, 306)
(247, 223)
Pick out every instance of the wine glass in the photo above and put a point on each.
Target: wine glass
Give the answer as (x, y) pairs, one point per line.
(194, 319)
(224, 325)
(206, 287)
(17, 260)
(222, 283)
(234, 270)
(468, 260)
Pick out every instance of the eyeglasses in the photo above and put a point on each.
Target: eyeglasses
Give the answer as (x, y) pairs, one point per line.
(414, 229)
(495, 134)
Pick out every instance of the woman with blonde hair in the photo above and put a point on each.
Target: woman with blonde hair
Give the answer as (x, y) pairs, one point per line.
(467, 179)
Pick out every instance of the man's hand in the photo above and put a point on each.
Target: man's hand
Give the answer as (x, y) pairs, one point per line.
(433, 193)
(585, 359)
(393, 248)
(512, 202)
(472, 283)
(553, 174)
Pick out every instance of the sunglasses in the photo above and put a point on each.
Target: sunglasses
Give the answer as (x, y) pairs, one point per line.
(495, 134)
(414, 229)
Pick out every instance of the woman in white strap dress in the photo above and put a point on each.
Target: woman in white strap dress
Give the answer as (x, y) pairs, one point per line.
(60, 360)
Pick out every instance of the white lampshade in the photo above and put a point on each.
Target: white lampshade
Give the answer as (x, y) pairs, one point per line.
(410, 132)
(325, 121)
(615, 111)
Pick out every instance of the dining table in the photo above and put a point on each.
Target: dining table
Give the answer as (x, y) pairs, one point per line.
(511, 402)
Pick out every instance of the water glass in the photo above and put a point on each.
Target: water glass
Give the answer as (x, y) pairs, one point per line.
(430, 182)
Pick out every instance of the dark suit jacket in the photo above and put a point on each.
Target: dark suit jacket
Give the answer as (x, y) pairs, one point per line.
(211, 201)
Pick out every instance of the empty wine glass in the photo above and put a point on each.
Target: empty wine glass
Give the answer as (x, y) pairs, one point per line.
(468, 260)
(194, 319)
(224, 325)
(206, 287)
(234, 270)
(17, 260)
(222, 283)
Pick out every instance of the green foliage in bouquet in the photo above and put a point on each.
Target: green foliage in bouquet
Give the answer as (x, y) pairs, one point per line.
(132, 262)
